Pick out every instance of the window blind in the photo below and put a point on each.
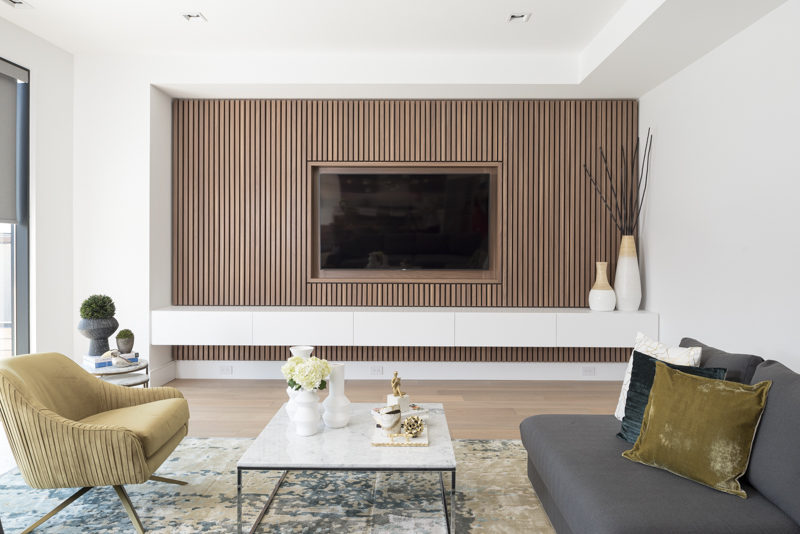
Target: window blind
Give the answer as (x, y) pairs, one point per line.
(8, 149)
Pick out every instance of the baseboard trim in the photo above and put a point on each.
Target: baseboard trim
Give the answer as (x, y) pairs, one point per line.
(240, 370)
(164, 374)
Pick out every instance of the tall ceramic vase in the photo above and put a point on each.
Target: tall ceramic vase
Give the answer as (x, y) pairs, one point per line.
(627, 283)
(303, 351)
(602, 297)
(307, 418)
(337, 405)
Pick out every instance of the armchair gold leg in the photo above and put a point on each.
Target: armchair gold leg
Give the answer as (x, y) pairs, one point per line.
(126, 502)
(168, 480)
(57, 509)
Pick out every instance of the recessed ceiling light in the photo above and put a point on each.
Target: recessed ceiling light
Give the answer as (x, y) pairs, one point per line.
(519, 17)
(18, 4)
(195, 17)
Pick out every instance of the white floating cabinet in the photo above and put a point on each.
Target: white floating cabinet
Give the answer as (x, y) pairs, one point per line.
(604, 329)
(201, 327)
(509, 328)
(289, 327)
(403, 328)
(399, 327)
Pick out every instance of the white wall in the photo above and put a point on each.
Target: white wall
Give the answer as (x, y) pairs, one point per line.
(721, 234)
(53, 311)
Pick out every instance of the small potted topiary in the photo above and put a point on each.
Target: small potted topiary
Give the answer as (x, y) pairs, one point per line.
(125, 341)
(97, 322)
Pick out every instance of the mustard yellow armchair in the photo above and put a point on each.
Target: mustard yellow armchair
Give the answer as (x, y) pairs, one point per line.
(69, 429)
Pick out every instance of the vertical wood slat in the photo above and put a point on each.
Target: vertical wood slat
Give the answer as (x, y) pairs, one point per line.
(241, 202)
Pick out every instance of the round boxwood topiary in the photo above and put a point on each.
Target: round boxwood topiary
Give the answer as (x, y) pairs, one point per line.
(98, 307)
(124, 334)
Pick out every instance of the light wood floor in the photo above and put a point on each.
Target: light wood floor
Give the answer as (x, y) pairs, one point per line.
(475, 409)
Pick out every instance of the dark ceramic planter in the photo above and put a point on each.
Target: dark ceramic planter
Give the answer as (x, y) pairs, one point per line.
(98, 331)
(125, 344)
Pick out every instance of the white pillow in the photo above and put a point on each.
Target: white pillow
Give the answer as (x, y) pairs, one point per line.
(645, 345)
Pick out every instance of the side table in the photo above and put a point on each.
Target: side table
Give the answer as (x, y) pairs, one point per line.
(124, 376)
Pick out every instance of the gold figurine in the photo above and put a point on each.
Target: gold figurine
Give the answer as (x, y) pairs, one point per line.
(413, 426)
(396, 386)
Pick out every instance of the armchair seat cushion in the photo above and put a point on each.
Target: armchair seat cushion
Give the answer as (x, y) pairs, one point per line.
(154, 423)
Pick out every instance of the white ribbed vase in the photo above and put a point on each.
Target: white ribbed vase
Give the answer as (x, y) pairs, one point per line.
(627, 282)
(291, 406)
(307, 419)
(337, 405)
(602, 297)
(303, 351)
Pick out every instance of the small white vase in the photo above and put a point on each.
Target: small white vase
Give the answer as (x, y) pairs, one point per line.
(291, 406)
(304, 351)
(337, 405)
(627, 282)
(307, 418)
(602, 297)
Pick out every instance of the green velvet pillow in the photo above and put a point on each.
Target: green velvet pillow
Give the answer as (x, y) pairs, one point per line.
(643, 371)
(700, 428)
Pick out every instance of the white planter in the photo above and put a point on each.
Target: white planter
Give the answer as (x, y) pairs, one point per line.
(291, 406)
(337, 405)
(602, 297)
(304, 351)
(627, 282)
(307, 419)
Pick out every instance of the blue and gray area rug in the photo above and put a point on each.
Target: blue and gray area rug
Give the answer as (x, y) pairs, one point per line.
(494, 495)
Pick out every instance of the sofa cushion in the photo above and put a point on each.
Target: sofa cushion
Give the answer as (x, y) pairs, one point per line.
(665, 353)
(579, 459)
(700, 428)
(740, 366)
(642, 374)
(775, 461)
(155, 423)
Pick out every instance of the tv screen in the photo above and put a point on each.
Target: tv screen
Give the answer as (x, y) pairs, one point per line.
(404, 221)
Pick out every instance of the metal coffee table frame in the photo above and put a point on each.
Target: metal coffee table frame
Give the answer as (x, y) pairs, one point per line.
(449, 512)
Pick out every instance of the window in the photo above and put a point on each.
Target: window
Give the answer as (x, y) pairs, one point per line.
(14, 293)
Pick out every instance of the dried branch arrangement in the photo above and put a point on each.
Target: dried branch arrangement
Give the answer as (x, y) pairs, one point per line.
(626, 204)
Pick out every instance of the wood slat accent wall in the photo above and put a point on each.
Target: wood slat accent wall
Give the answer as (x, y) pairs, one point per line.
(242, 197)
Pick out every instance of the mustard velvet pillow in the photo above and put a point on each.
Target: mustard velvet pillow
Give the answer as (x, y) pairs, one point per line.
(700, 428)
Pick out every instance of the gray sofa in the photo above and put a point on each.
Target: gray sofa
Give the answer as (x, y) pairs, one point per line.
(576, 467)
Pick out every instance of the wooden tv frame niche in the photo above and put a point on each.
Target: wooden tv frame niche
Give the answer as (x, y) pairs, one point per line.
(463, 276)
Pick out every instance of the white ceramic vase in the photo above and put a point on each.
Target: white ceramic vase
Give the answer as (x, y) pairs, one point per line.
(627, 282)
(602, 297)
(337, 405)
(304, 351)
(307, 418)
(291, 406)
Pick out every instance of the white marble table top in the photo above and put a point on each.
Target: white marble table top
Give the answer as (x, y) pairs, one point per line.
(279, 447)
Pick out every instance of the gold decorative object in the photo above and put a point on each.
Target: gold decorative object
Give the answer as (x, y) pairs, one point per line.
(413, 426)
(396, 386)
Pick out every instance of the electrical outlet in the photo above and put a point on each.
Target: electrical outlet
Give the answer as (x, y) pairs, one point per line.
(376, 370)
(589, 371)
(226, 370)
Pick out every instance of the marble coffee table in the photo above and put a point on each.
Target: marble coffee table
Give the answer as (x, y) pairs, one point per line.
(279, 448)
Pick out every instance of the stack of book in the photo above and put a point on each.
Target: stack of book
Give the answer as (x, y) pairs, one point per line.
(98, 362)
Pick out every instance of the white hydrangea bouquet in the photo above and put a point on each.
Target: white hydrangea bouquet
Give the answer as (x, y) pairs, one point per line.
(306, 373)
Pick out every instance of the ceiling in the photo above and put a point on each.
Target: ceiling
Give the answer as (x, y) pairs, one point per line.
(379, 48)
(148, 26)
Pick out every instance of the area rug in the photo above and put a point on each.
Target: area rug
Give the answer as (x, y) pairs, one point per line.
(494, 495)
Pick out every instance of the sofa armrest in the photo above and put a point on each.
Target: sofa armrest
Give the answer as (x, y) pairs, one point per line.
(113, 396)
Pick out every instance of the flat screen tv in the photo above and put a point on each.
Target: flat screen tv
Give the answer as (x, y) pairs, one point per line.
(401, 219)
